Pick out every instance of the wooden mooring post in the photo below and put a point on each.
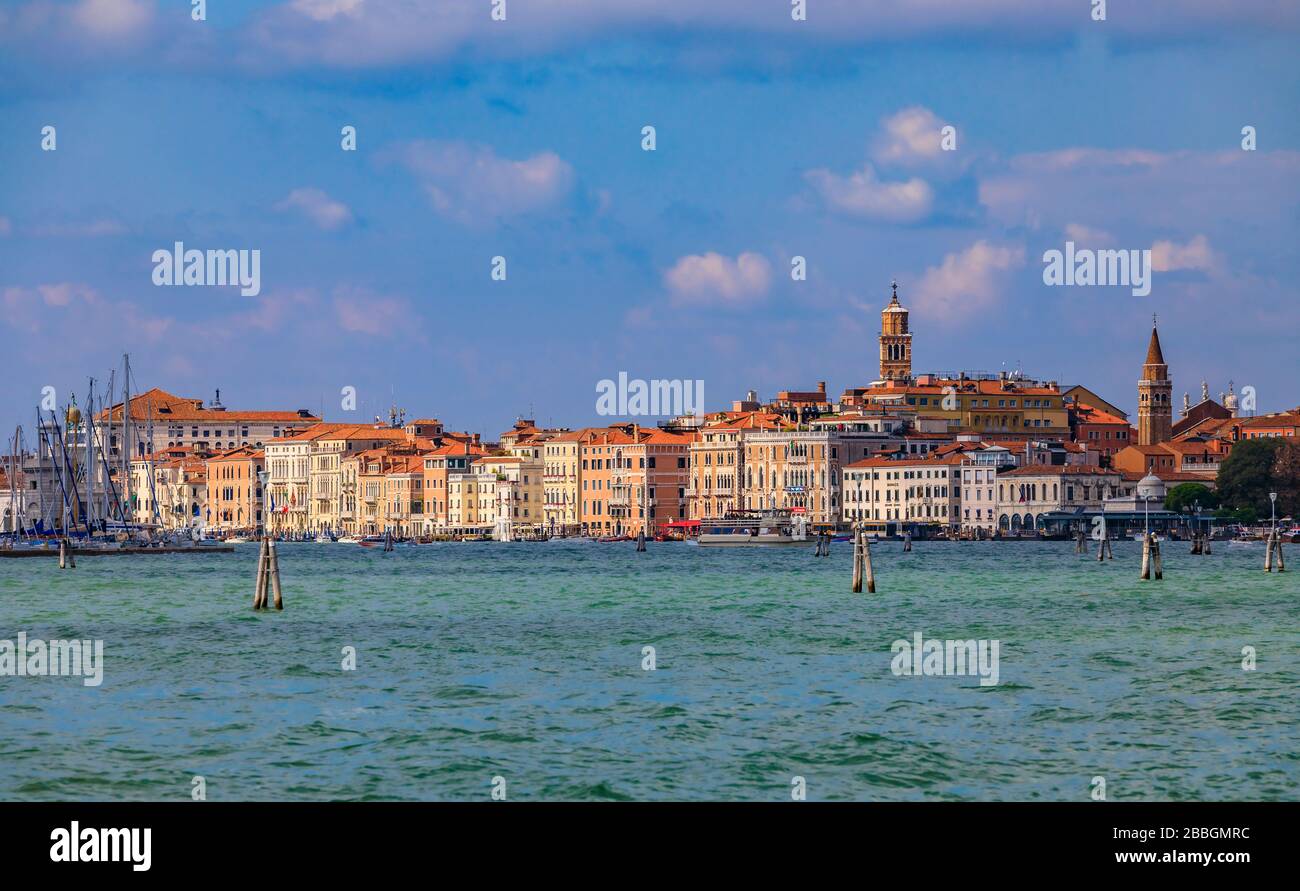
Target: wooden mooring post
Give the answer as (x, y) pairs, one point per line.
(1152, 566)
(1080, 543)
(268, 576)
(1273, 553)
(907, 542)
(862, 563)
(640, 541)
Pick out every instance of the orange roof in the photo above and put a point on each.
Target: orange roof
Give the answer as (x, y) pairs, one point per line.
(1060, 470)
(457, 448)
(1097, 416)
(241, 453)
(1288, 418)
(345, 432)
(161, 406)
(932, 460)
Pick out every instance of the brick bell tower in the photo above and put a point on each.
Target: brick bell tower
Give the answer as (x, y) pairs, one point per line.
(895, 341)
(1155, 392)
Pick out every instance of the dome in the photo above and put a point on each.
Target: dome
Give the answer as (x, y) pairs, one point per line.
(74, 416)
(1151, 486)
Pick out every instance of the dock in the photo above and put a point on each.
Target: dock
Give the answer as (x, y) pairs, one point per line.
(113, 552)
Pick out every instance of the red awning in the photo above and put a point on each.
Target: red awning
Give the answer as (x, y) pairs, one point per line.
(682, 524)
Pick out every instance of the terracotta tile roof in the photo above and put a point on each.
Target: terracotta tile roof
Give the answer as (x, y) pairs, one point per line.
(1092, 415)
(1059, 470)
(932, 460)
(162, 407)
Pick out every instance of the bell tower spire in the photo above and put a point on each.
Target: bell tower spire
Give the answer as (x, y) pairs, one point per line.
(895, 340)
(1155, 391)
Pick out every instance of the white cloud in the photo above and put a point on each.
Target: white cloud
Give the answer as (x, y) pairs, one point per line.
(909, 136)
(1087, 237)
(1166, 256)
(472, 184)
(705, 279)
(318, 207)
(863, 194)
(324, 10)
(1142, 188)
(350, 33)
(966, 282)
(112, 18)
(359, 311)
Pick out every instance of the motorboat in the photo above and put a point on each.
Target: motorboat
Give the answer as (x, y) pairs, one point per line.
(754, 528)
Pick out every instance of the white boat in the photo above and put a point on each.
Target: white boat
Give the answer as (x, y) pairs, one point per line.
(348, 539)
(237, 539)
(749, 528)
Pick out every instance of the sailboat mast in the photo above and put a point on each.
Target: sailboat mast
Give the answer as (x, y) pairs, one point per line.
(128, 448)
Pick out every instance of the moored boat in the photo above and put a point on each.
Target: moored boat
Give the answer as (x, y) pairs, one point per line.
(751, 528)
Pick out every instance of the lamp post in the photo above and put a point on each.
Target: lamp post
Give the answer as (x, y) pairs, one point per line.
(263, 477)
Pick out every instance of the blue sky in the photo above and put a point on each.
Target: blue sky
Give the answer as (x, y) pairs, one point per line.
(522, 139)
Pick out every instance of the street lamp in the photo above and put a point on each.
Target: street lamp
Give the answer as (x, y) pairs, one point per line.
(263, 477)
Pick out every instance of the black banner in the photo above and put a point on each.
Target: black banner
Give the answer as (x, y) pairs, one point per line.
(335, 840)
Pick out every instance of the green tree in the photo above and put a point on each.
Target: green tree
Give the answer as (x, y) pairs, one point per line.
(1181, 498)
(1246, 475)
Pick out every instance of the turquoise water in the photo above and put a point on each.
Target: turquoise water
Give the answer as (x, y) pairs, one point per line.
(524, 661)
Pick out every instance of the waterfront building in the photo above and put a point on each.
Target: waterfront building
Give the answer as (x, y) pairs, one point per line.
(716, 459)
(288, 463)
(11, 499)
(332, 498)
(916, 494)
(440, 464)
(180, 489)
(560, 476)
(471, 501)
(403, 494)
(632, 479)
(799, 469)
(1026, 495)
(519, 493)
(235, 501)
(161, 420)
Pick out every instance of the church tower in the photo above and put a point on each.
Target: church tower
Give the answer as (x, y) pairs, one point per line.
(1155, 410)
(895, 341)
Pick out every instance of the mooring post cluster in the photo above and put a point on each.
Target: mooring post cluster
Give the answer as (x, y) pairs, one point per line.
(862, 562)
(1273, 553)
(823, 545)
(1152, 566)
(268, 575)
(67, 559)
